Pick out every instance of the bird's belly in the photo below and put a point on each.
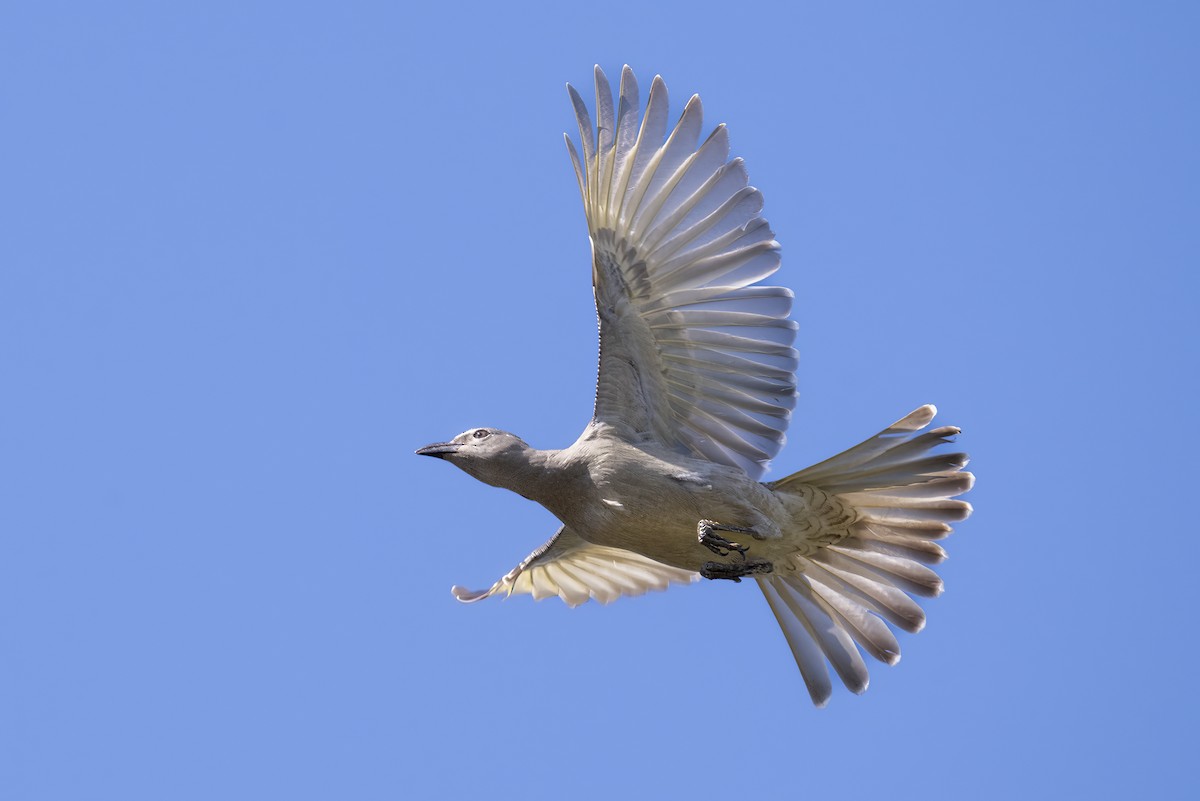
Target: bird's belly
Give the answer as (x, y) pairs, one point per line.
(660, 519)
(673, 544)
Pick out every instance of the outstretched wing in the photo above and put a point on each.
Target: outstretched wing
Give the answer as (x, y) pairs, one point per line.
(575, 570)
(692, 351)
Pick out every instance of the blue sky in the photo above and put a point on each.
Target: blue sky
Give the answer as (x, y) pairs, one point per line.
(253, 254)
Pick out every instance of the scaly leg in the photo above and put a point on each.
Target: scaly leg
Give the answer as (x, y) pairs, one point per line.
(735, 571)
(718, 544)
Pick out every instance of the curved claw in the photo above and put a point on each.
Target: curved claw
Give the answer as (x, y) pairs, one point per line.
(718, 544)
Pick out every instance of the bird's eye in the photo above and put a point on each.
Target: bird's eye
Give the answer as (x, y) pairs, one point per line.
(480, 433)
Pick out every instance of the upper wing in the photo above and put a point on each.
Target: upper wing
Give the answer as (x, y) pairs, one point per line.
(690, 352)
(575, 570)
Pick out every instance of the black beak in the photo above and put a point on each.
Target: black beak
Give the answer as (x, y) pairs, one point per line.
(439, 449)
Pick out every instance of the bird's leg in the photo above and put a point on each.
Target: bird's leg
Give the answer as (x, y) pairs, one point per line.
(718, 544)
(735, 570)
(705, 533)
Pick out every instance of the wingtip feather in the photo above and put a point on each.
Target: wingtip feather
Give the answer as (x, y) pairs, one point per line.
(468, 596)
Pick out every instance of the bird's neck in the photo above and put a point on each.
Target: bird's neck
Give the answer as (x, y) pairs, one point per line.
(538, 475)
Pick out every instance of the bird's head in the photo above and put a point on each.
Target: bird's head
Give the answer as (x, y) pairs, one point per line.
(493, 456)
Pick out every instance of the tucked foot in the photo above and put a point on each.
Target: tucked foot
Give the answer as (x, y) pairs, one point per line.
(735, 571)
(716, 543)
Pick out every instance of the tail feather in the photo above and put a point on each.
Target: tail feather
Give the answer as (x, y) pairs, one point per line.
(920, 513)
(840, 595)
(917, 446)
(835, 642)
(935, 488)
(866, 451)
(884, 600)
(891, 532)
(809, 657)
(890, 476)
(923, 551)
(912, 577)
(867, 630)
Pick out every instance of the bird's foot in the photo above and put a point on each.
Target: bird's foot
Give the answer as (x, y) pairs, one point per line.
(734, 571)
(718, 544)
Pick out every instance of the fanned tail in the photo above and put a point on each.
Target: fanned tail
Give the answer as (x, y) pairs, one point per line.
(829, 601)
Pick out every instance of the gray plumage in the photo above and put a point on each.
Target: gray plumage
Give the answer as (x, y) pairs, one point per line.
(694, 393)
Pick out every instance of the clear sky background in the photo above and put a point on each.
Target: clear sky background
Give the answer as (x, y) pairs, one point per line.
(253, 254)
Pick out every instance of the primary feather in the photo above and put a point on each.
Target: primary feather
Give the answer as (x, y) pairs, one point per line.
(677, 242)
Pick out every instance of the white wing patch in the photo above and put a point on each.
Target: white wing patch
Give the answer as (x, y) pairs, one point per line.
(575, 570)
(691, 351)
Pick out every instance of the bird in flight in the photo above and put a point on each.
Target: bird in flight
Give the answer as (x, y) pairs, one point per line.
(695, 389)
